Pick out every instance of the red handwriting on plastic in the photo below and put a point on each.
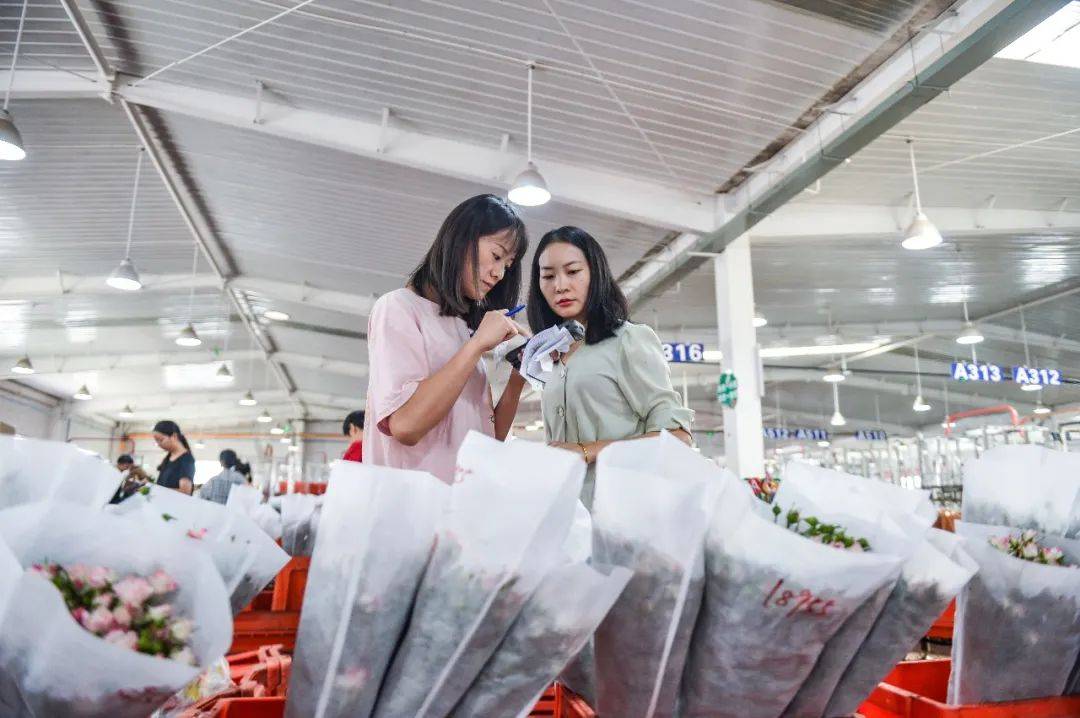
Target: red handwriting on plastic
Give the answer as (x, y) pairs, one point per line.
(795, 601)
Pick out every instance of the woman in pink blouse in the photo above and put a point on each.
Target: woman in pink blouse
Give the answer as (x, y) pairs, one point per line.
(426, 383)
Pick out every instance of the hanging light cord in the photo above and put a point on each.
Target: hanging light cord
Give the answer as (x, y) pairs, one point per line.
(914, 175)
(134, 200)
(15, 55)
(528, 114)
(836, 397)
(918, 374)
(191, 293)
(1023, 335)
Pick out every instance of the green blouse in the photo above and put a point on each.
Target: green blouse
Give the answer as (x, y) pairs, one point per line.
(616, 389)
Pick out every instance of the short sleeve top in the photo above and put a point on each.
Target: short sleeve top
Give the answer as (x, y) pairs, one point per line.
(182, 467)
(408, 341)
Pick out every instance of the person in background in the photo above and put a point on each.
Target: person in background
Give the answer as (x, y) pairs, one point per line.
(427, 387)
(133, 478)
(353, 428)
(613, 385)
(177, 469)
(232, 474)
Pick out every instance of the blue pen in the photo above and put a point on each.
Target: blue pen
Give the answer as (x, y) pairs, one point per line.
(515, 310)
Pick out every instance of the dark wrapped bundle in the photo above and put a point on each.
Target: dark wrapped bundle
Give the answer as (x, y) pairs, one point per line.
(300, 515)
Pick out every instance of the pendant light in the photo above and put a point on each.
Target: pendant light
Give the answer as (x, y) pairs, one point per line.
(277, 315)
(23, 366)
(277, 431)
(836, 375)
(1031, 386)
(248, 399)
(759, 320)
(188, 337)
(126, 412)
(919, 404)
(83, 394)
(125, 277)
(264, 418)
(921, 233)
(970, 334)
(11, 142)
(224, 375)
(1041, 408)
(837, 418)
(529, 189)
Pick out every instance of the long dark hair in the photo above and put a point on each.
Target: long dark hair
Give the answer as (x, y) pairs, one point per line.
(228, 459)
(440, 273)
(606, 307)
(170, 428)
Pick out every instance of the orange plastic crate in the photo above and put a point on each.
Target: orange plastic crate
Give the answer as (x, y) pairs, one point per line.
(917, 689)
(943, 627)
(555, 703)
(276, 620)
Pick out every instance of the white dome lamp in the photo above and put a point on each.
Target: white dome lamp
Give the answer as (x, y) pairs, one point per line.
(248, 399)
(11, 142)
(224, 375)
(759, 320)
(83, 394)
(23, 366)
(264, 418)
(529, 188)
(188, 337)
(970, 334)
(125, 277)
(127, 412)
(921, 233)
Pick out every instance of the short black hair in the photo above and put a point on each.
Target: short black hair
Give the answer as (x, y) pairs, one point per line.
(442, 268)
(125, 459)
(606, 308)
(355, 418)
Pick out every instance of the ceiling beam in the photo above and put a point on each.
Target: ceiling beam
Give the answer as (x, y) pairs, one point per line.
(305, 294)
(815, 219)
(614, 194)
(914, 75)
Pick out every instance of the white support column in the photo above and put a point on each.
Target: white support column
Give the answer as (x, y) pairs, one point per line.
(744, 443)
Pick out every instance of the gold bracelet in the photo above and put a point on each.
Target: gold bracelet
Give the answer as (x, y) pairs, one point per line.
(584, 451)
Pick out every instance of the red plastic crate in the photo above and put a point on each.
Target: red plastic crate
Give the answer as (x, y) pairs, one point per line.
(276, 620)
(556, 703)
(917, 689)
(943, 627)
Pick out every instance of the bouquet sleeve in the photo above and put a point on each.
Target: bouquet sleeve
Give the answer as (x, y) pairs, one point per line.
(62, 669)
(245, 556)
(32, 470)
(844, 492)
(553, 625)
(376, 536)
(929, 579)
(773, 599)
(654, 498)
(507, 519)
(1017, 632)
(1026, 487)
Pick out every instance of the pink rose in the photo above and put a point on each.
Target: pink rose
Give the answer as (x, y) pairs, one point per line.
(1030, 550)
(99, 620)
(196, 534)
(126, 639)
(79, 575)
(1053, 555)
(80, 614)
(162, 582)
(104, 599)
(133, 590)
(99, 577)
(181, 630)
(122, 616)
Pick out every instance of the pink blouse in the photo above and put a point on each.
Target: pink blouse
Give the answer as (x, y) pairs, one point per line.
(408, 342)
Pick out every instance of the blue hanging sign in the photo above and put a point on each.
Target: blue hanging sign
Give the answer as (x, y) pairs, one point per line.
(776, 432)
(871, 435)
(1031, 375)
(681, 353)
(970, 371)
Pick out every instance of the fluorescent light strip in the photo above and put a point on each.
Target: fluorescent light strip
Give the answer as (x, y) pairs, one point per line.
(816, 350)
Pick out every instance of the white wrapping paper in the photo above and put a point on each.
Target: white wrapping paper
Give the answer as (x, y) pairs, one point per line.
(33, 470)
(654, 499)
(509, 513)
(300, 523)
(61, 669)
(537, 360)
(1025, 487)
(1017, 633)
(376, 536)
(245, 556)
(844, 492)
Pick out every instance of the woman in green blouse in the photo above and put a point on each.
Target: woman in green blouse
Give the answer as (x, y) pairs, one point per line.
(615, 384)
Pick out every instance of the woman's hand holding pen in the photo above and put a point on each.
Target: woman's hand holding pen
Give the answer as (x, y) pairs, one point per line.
(495, 328)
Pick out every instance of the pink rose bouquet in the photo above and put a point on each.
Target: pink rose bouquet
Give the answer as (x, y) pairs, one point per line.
(130, 611)
(1025, 546)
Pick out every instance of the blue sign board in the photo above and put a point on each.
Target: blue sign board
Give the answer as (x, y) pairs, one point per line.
(776, 432)
(682, 353)
(1031, 375)
(871, 435)
(970, 371)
